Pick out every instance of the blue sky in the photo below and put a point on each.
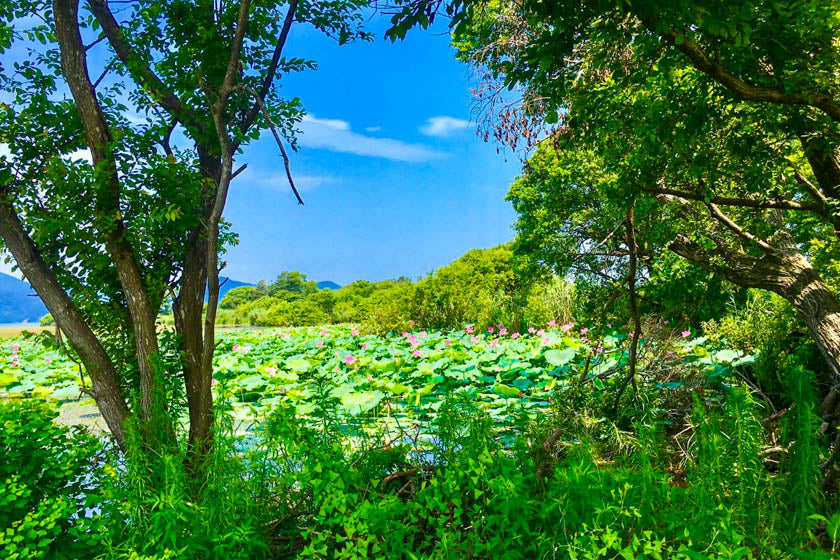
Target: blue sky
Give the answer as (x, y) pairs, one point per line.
(395, 181)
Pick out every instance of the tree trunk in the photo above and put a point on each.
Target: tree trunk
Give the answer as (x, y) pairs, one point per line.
(106, 383)
(786, 272)
(109, 222)
(188, 309)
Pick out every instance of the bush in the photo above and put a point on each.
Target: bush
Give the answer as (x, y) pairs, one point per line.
(240, 296)
(48, 479)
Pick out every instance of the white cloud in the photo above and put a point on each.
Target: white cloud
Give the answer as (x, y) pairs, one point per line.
(279, 182)
(373, 128)
(335, 135)
(442, 126)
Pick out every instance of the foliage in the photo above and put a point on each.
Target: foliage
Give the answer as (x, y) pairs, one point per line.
(482, 288)
(47, 483)
(323, 485)
(767, 326)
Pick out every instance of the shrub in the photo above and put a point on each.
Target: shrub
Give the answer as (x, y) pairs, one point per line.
(48, 478)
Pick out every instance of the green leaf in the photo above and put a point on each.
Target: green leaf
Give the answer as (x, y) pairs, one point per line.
(505, 390)
(560, 357)
(299, 365)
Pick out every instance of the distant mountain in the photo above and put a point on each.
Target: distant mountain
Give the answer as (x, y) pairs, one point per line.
(226, 285)
(327, 285)
(18, 302)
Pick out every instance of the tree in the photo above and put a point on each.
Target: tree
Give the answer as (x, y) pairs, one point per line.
(103, 243)
(718, 123)
(293, 282)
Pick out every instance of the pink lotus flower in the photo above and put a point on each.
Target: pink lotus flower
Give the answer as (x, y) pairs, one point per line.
(235, 347)
(14, 355)
(546, 340)
(584, 339)
(244, 349)
(584, 330)
(540, 332)
(447, 343)
(515, 335)
(48, 360)
(364, 345)
(412, 338)
(599, 349)
(323, 333)
(271, 371)
(667, 321)
(411, 323)
(566, 326)
(502, 331)
(15, 347)
(349, 360)
(686, 334)
(494, 343)
(550, 400)
(532, 330)
(405, 334)
(214, 382)
(414, 344)
(355, 333)
(283, 335)
(15, 363)
(470, 329)
(552, 324)
(417, 353)
(474, 339)
(319, 344)
(490, 330)
(422, 334)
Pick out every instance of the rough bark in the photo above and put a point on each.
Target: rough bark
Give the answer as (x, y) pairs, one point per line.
(104, 378)
(189, 315)
(110, 224)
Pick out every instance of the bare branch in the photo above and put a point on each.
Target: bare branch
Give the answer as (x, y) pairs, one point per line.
(279, 143)
(272, 68)
(242, 168)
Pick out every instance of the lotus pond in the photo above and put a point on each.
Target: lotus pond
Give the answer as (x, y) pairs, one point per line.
(391, 379)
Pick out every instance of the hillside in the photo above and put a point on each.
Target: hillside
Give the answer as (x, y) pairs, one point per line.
(328, 285)
(18, 302)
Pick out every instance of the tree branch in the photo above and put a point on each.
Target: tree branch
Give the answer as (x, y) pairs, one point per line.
(68, 318)
(279, 143)
(736, 229)
(744, 89)
(740, 201)
(272, 68)
(107, 200)
(141, 72)
(630, 238)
